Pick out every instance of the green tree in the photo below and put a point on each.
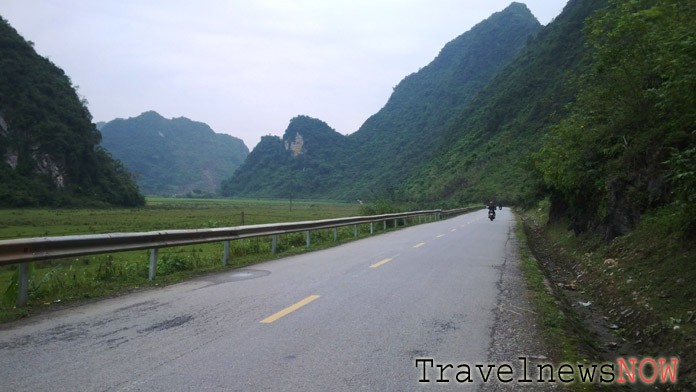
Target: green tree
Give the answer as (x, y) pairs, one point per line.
(606, 161)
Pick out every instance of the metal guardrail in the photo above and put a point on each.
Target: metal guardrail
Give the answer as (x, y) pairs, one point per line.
(24, 250)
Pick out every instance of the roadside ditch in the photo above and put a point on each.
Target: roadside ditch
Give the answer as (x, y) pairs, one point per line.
(604, 317)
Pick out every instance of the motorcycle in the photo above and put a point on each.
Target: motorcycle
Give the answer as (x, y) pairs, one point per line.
(491, 215)
(500, 208)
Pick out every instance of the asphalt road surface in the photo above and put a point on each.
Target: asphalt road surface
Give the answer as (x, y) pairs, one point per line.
(351, 318)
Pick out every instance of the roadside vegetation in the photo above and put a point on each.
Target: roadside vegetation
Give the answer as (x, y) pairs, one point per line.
(626, 148)
(559, 327)
(61, 281)
(615, 232)
(632, 296)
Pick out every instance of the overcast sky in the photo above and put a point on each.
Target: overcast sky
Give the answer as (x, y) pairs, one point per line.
(246, 67)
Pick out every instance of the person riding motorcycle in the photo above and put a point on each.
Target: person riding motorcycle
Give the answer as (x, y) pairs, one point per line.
(491, 207)
(491, 211)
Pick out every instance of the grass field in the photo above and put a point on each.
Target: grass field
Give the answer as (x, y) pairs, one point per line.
(66, 280)
(164, 214)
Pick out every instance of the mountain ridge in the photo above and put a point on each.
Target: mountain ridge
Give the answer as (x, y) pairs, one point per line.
(488, 144)
(173, 156)
(391, 144)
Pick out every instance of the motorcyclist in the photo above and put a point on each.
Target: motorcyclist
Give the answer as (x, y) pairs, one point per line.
(491, 207)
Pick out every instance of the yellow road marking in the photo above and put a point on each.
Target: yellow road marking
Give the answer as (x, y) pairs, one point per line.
(419, 245)
(375, 265)
(440, 235)
(453, 230)
(289, 309)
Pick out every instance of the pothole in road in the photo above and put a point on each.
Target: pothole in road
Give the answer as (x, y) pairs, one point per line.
(167, 324)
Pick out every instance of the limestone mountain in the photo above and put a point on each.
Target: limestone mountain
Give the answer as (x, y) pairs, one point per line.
(391, 145)
(487, 145)
(304, 163)
(405, 134)
(49, 152)
(173, 156)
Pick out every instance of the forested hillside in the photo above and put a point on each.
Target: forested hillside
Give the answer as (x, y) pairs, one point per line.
(628, 144)
(596, 111)
(394, 142)
(618, 168)
(49, 153)
(307, 161)
(487, 148)
(397, 140)
(173, 156)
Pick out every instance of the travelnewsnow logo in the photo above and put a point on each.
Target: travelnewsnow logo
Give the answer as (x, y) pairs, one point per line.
(647, 371)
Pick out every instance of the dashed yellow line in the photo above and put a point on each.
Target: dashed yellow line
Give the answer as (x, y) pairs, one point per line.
(419, 245)
(289, 309)
(375, 265)
(440, 235)
(453, 230)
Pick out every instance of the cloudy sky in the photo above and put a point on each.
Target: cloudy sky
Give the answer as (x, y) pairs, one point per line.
(246, 67)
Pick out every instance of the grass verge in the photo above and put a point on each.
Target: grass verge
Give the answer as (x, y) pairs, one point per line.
(560, 328)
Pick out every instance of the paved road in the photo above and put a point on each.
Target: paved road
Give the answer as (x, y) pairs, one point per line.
(363, 313)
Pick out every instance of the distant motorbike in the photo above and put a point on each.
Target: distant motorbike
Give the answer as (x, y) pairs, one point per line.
(491, 214)
(500, 207)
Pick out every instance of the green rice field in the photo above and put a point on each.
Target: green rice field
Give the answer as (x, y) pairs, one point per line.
(60, 281)
(164, 214)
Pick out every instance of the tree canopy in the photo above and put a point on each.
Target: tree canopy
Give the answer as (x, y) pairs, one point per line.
(627, 144)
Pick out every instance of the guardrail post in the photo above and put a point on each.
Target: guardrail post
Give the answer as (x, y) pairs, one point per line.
(274, 244)
(226, 253)
(153, 263)
(23, 285)
(106, 243)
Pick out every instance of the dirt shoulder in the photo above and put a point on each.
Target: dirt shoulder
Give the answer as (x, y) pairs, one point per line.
(516, 339)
